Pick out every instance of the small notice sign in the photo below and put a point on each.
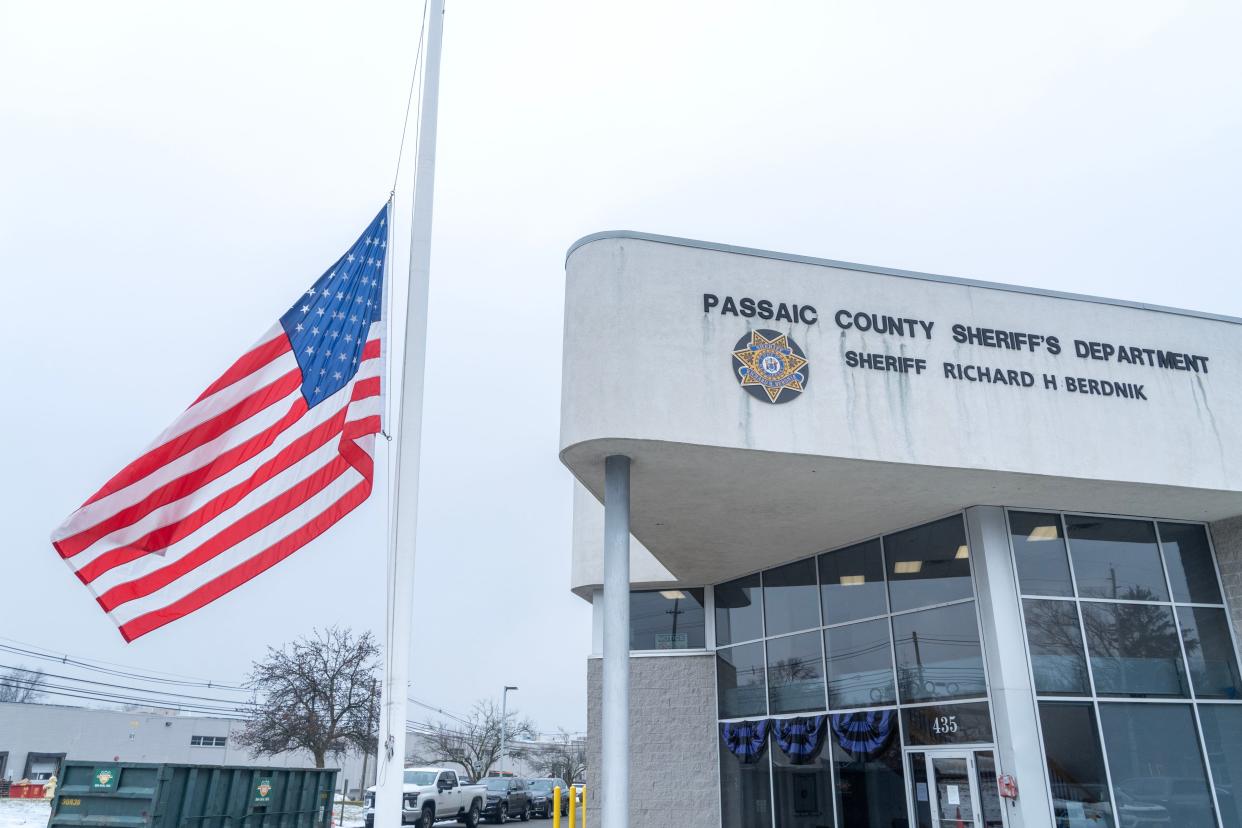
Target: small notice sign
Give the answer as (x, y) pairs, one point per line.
(105, 779)
(951, 795)
(263, 792)
(671, 641)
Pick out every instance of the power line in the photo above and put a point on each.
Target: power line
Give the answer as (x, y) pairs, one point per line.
(86, 664)
(110, 698)
(162, 693)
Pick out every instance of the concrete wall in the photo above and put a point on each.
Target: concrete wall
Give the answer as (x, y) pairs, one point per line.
(126, 736)
(648, 373)
(674, 777)
(1227, 540)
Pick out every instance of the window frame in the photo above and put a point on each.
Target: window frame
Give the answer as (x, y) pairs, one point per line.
(709, 622)
(1093, 698)
(898, 705)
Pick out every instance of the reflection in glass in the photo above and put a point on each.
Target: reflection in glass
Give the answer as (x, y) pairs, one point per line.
(739, 681)
(938, 655)
(739, 610)
(927, 565)
(796, 673)
(860, 665)
(745, 792)
(870, 780)
(1189, 560)
(953, 793)
(1116, 558)
(1155, 764)
(947, 724)
(1075, 765)
(918, 782)
(1055, 643)
(989, 790)
(1039, 550)
(669, 619)
(1134, 650)
(1209, 649)
(1222, 732)
(791, 598)
(851, 583)
(802, 793)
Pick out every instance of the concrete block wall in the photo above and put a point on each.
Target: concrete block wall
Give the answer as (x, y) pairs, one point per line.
(673, 743)
(1227, 540)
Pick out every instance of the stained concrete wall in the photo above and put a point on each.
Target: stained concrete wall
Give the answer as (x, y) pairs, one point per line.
(1227, 539)
(674, 777)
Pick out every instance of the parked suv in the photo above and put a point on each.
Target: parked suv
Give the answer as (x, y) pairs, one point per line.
(431, 795)
(541, 791)
(507, 797)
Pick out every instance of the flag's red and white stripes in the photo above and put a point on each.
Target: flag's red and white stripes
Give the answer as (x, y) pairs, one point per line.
(245, 477)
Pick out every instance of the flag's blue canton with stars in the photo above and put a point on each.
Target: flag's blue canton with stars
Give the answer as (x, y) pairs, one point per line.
(328, 327)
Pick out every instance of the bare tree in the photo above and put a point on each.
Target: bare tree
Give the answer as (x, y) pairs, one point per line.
(21, 686)
(474, 742)
(316, 694)
(563, 759)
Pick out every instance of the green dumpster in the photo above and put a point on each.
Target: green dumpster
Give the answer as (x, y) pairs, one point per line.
(140, 795)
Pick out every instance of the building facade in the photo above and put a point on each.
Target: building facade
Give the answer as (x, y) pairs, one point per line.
(34, 738)
(906, 550)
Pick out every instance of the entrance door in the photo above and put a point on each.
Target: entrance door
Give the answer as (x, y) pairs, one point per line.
(954, 789)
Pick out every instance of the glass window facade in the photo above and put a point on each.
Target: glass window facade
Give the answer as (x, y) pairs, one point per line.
(854, 641)
(938, 654)
(928, 565)
(667, 619)
(739, 610)
(1146, 741)
(790, 598)
(795, 673)
(1155, 762)
(874, 651)
(1054, 640)
(851, 583)
(860, 665)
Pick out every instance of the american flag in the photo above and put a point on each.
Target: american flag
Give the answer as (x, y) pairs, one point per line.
(271, 455)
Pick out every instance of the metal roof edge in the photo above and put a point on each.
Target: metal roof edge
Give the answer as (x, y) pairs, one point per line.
(889, 271)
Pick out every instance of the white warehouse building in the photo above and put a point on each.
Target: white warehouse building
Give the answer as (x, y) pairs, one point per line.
(34, 738)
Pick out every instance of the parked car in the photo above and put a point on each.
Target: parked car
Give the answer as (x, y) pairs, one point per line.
(507, 797)
(432, 795)
(541, 790)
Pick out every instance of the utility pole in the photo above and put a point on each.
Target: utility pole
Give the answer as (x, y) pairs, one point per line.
(504, 723)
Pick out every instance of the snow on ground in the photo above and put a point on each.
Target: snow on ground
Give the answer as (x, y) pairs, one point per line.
(354, 816)
(24, 813)
(33, 813)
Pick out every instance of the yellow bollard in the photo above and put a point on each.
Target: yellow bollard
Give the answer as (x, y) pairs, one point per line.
(556, 807)
(573, 806)
(584, 806)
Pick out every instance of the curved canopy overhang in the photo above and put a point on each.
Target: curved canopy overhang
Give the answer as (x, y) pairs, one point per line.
(921, 395)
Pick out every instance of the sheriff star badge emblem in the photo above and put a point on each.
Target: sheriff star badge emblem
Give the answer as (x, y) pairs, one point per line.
(770, 366)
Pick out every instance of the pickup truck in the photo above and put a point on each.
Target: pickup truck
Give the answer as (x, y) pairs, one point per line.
(432, 795)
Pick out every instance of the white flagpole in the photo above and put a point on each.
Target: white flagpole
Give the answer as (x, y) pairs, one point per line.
(408, 444)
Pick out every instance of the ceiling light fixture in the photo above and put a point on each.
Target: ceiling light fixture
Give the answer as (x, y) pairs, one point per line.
(673, 594)
(963, 552)
(853, 580)
(907, 567)
(1044, 533)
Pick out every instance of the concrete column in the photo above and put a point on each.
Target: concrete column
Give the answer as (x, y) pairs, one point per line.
(614, 783)
(1004, 650)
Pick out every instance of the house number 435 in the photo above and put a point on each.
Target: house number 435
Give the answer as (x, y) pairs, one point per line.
(944, 724)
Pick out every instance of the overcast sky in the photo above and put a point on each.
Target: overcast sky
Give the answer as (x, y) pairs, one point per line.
(174, 175)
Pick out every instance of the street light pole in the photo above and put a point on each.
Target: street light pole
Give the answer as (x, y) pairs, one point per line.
(504, 722)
